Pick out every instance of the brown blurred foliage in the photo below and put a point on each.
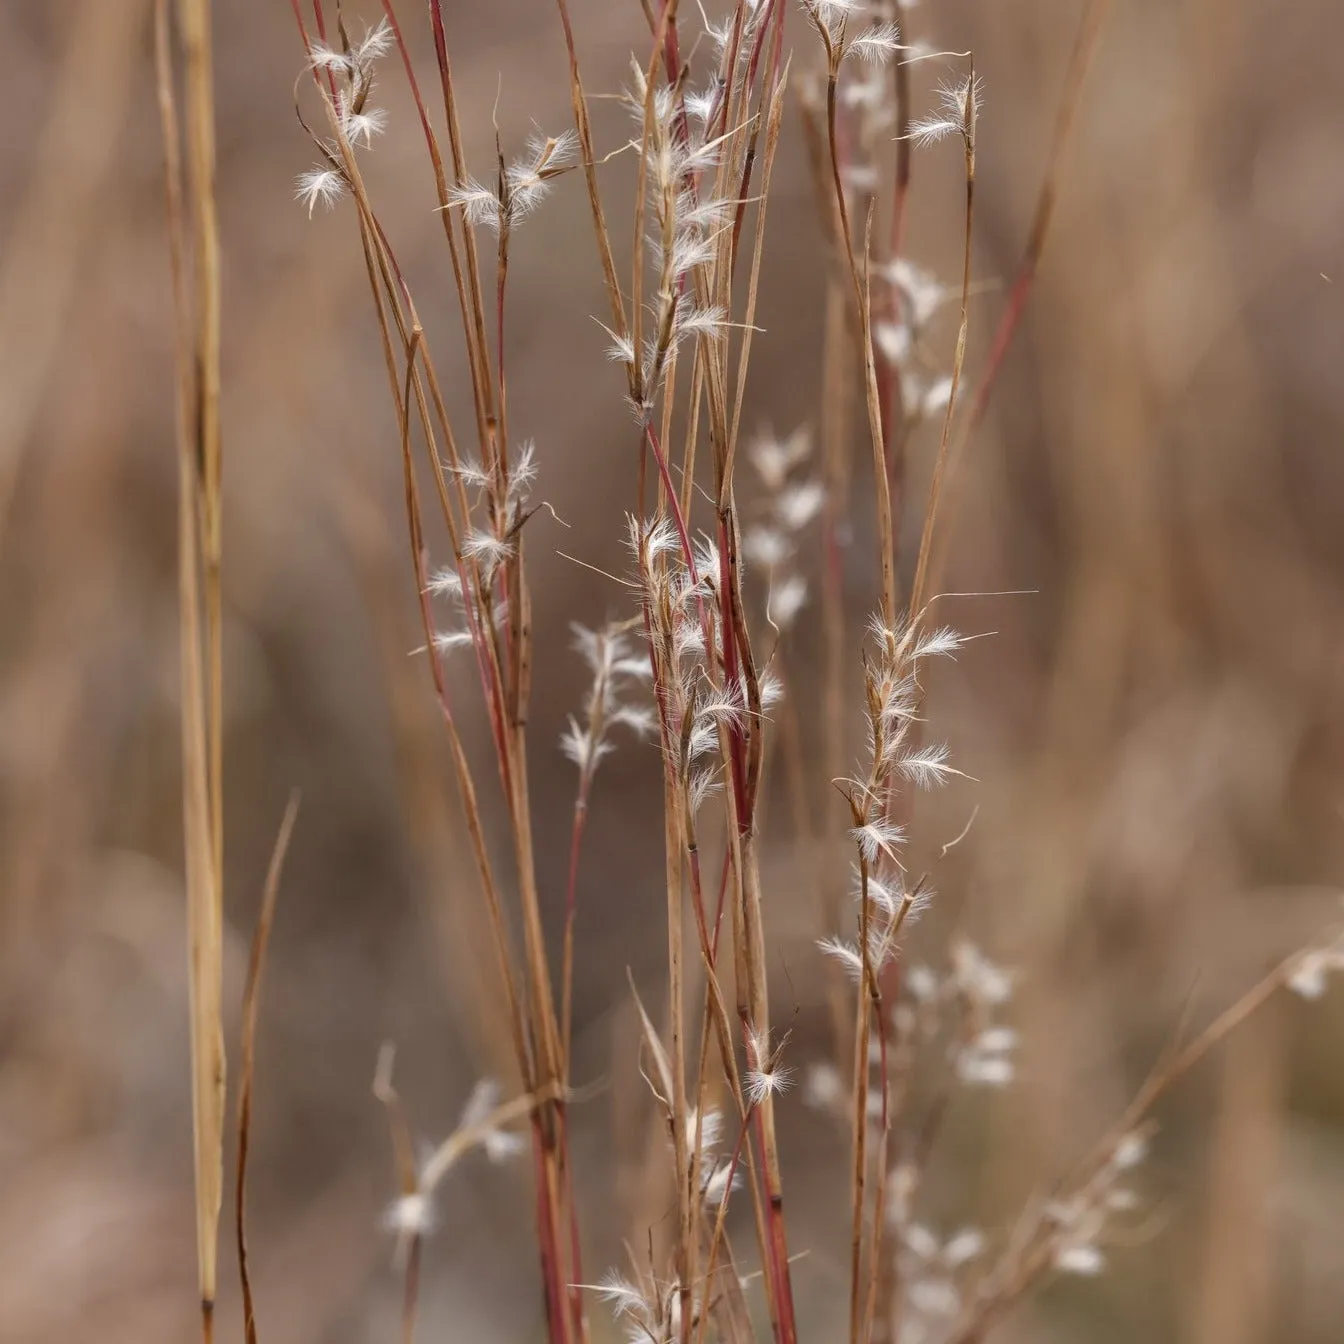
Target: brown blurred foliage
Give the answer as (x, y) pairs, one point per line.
(1156, 727)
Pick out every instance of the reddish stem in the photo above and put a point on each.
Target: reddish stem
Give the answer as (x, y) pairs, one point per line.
(777, 1253)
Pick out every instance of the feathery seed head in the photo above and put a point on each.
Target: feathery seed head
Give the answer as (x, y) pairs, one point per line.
(797, 505)
(375, 44)
(894, 341)
(323, 57)
(978, 978)
(650, 540)
(762, 1083)
(527, 179)
(845, 954)
(445, 583)
(470, 472)
(319, 186)
(360, 127)
(692, 321)
(703, 785)
(523, 470)
(823, 1088)
(986, 1060)
(785, 600)
(486, 548)
(920, 293)
(876, 45)
(704, 1130)
(703, 104)
(958, 109)
(933, 401)
(1131, 1150)
(766, 1076)
(877, 838)
(767, 547)
(774, 458)
(580, 747)
(926, 768)
(445, 641)
(1310, 972)
(624, 1297)
(770, 689)
(922, 982)
(411, 1216)
(719, 1180)
(478, 203)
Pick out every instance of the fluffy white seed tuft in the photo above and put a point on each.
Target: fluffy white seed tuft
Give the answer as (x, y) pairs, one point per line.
(319, 186)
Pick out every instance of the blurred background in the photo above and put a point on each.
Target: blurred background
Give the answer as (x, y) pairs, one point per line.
(1155, 727)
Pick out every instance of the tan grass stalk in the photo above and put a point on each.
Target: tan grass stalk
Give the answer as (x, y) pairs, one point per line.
(894, 427)
(473, 310)
(918, 593)
(198, 81)
(836, 416)
(585, 133)
(466, 277)
(773, 124)
(247, 1050)
(687, 1240)
(191, 227)
(863, 314)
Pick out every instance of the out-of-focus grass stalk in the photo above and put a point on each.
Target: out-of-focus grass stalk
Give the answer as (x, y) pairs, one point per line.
(192, 227)
(247, 1050)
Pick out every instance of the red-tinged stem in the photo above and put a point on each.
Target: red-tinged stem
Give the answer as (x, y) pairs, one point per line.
(500, 454)
(1003, 339)
(502, 446)
(732, 675)
(698, 905)
(490, 684)
(574, 1286)
(494, 695)
(466, 278)
(717, 1237)
(566, 1001)
(719, 120)
(880, 1193)
(773, 11)
(571, 903)
(308, 42)
(1080, 61)
(411, 80)
(674, 504)
(777, 1249)
(557, 1318)
(575, 1241)
(303, 28)
(671, 52)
